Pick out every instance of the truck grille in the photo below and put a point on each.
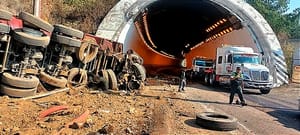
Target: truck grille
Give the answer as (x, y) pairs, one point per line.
(255, 75)
(260, 76)
(264, 75)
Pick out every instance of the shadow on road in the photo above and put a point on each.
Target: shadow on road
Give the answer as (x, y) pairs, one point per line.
(289, 118)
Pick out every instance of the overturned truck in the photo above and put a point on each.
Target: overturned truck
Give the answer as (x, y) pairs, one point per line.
(34, 52)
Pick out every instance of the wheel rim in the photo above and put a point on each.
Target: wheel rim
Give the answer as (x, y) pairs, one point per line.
(211, 79)
(206, 78)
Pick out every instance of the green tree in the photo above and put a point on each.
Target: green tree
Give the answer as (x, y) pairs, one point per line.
(272, 11)
(294, 28)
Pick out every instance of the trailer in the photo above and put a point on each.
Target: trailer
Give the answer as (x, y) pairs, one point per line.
(34, 52)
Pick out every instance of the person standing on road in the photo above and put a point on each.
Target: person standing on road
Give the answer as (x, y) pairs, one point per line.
(236, 82)
(182, 82)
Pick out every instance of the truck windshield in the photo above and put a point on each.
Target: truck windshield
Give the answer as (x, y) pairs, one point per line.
(245, 58)
(203, 63)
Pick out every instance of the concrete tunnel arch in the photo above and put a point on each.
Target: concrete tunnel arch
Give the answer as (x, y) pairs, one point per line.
(121, 23)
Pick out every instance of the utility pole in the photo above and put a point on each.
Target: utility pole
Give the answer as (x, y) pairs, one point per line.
(36, 7)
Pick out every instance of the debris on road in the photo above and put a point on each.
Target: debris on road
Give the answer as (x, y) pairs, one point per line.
(51, 110)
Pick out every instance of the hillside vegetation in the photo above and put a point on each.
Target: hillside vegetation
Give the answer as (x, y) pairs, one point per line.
(84, 15)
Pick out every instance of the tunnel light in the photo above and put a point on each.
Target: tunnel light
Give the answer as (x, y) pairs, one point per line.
(166, 54)
(219, 35)
(222, 33)
(215, 25)
(197, 45)
(187, 45)
(230, 28)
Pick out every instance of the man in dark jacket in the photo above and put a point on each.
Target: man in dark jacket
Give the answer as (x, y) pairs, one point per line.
(182, 82)
(236, 82)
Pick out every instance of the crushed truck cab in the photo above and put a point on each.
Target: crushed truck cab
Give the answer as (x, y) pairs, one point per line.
(256, 75)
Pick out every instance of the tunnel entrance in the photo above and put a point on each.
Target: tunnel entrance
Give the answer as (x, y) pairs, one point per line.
(165, 32)
(174, 28)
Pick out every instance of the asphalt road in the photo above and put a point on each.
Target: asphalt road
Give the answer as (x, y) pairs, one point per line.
(273, 113)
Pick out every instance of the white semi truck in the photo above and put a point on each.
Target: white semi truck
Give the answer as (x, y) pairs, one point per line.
(199, 65)
(256, 75)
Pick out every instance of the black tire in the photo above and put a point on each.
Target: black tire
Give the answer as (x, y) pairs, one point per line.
(59, 82)
(4, 28)
(75, 74)
(104, 74)
(33, 21)
(27, 82)
(216, 121)
(68, 31)
(31, 40)
(206, 79)
(133, 85)
(212, 79)
(139, 71)
(17, 92)
(66, 40)
(265, 91)
(82, 54)
(6, 15)
(113, 84)
(33, 32)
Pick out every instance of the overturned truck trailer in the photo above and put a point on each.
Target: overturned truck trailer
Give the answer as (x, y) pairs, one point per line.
(165, 32)
(34, 53)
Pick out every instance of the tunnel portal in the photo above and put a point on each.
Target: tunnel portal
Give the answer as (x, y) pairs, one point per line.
(164, 32)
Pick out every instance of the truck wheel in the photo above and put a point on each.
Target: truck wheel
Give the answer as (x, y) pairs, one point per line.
(77, 78)
(139, 71)
(104, 74)
(6, 15)
(68, 31)
(133, 85)
(66, 40)
(59, 82)
(265, 91)
(4, 28)
(31, 40)
(82, 53)
(216, 121)
(206, 79)
(113, 84)
(17, 92)
(103, 83)
(33, 21)
(27, 82)
(212, 77)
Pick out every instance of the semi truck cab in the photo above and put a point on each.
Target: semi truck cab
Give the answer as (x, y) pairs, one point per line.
(256, 75)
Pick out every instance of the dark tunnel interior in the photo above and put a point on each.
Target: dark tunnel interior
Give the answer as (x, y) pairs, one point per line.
(174, 27)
